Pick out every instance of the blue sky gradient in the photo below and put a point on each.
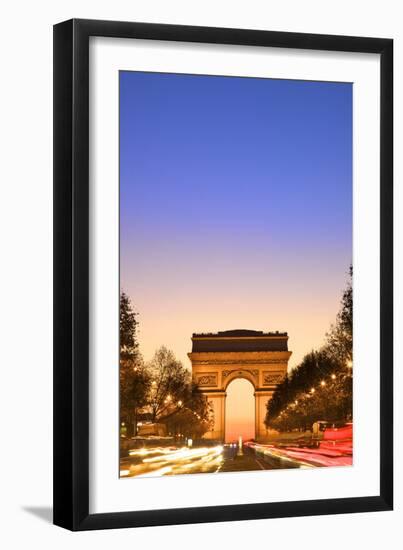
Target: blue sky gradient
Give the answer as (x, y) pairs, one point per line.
(235, 205)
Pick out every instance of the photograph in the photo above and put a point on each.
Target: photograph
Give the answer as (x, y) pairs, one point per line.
(200, 275)
(236, 274)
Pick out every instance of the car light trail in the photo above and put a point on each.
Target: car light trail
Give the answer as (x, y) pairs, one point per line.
(160, 461)
(185, 454)
(155, 450)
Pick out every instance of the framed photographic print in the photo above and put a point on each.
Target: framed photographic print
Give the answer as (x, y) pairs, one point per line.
(223, 276)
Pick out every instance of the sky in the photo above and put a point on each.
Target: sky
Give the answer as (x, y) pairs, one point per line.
(235, 206)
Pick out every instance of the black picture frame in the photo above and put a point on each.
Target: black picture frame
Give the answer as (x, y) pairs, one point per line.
(71, 274)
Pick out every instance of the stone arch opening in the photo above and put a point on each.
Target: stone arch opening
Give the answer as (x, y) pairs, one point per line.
(238, 374)
(240, 410)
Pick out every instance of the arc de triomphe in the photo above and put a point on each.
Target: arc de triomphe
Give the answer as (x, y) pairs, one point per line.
(219, 358)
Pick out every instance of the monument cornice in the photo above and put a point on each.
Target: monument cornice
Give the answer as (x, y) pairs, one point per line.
(271, 337)
(239, 357)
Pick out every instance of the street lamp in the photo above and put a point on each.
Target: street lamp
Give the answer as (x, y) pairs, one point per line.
(323, 383)
(312, 390)
(333, 377)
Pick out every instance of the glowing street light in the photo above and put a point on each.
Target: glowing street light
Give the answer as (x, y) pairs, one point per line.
(323, 383)
(349, 364)
(312, 390)
(333, 377)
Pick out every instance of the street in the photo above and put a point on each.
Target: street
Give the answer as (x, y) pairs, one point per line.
(174, 459)
(158, 461)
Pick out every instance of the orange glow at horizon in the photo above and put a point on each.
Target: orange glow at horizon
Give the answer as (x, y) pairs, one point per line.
(171, 304)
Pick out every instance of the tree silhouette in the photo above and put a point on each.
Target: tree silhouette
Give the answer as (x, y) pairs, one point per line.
(169, 382)
(320, 387)
(134, 379)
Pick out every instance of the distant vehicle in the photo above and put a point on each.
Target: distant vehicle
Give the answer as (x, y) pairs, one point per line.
(148, 429)
(323, 429)
(318, 427)
(337, 433)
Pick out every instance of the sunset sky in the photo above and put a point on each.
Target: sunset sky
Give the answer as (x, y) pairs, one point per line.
(235, 206)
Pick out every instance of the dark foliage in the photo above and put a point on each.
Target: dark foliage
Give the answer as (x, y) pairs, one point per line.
(320, 388)
(134, 380)
(161, 389)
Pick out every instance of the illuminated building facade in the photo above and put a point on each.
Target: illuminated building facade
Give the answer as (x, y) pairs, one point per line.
(219, 358)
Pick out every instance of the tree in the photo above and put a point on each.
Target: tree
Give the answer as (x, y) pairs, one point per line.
(127, 329)
(193, 417)
(134, 390)
(320, 387)
(339, 340)
(134, 379)
(316, 367)
(169, 383)
(174, 399)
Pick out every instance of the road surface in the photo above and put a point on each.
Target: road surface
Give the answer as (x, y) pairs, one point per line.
(173, 460)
